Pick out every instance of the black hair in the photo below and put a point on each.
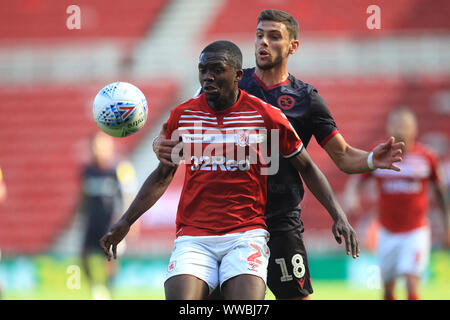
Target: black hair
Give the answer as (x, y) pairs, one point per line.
(231, 50)
(283, 17)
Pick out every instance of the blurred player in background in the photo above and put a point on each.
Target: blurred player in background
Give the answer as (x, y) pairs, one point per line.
(2, 187)
(2, 198)
(276, 40)
(404, 236)
(221, 232)
(102, 198)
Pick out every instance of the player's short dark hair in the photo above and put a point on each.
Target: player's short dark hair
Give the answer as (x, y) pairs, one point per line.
(231, 50)
(283, 17)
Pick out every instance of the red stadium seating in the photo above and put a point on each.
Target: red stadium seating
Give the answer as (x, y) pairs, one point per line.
(43, 129)
(336, 18)
(46, 19)
(360, 109)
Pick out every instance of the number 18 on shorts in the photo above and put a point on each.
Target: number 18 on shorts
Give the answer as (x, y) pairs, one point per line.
(288, 272)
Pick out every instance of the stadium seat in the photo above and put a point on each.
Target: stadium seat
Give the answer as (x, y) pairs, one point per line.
(43, 130)
(343, 18)
(46, 19)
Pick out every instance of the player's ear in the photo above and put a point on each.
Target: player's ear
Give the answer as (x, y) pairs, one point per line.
(239, 74)
(294, 45)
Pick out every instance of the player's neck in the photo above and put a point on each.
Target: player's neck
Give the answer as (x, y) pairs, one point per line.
(225, 102)
(272, 76)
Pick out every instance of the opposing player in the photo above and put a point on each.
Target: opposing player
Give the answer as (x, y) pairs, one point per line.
(221, 230)
(404, 237)
(276, 40)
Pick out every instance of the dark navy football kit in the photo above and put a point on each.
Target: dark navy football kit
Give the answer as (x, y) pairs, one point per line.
(288, 271)
(102, 198)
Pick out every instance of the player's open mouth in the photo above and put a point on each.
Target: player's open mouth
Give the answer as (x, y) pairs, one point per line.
(210, 89)
(263, 53)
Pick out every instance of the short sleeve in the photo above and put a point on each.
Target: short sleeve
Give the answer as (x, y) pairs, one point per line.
(172, 123)
(436, 174)
(322, 123)
(290, 143)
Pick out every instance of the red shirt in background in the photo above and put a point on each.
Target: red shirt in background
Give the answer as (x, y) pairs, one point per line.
(403, 196)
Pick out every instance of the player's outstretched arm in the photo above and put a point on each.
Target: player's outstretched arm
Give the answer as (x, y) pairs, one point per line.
(352, 160)
(152, 189)
(444, 204)
(163, 147)
(319, 186)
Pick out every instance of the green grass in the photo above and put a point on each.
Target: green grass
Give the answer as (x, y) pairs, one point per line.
(323, 290)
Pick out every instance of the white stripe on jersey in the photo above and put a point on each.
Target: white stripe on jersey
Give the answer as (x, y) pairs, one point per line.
(244, 117)
(247, 121)
(196, 121)
(221, 129)
(222, 138)
(197, 117)
(295, 152)
(238, 112)
(195, 111)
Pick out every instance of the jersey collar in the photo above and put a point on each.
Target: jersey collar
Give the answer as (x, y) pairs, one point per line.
(227, 110)
(270, 87)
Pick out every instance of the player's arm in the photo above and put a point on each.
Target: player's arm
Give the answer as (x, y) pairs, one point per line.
(316, 181)
(347, 158)
(352, 160)
(163, 147)
(443, 201)
(152, 189)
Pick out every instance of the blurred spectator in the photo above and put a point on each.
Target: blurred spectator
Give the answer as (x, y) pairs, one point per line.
(104, 185)
(404, 235)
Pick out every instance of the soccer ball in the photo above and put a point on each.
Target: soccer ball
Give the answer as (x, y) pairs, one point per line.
(120, 109)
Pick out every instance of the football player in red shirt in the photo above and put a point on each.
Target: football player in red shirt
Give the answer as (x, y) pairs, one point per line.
(221, 231)
(404, 236)
(275, 41)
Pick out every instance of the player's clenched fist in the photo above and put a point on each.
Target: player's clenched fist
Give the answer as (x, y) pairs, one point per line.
(113, 237)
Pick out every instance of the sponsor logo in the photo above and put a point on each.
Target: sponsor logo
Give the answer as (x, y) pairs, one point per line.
(242, 139)
(171, 266)
(285, 102)
(301, 282)
(253, 260)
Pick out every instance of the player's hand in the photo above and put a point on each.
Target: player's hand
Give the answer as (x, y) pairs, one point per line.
(447, 239)
(113, 237)
(386, 154)
(342, 228)
(163, 147)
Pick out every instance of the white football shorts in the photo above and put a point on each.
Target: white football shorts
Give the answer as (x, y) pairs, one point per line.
(403, 253)
(215, 259)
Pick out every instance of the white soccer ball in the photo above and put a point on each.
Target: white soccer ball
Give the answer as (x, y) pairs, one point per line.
(120, 109)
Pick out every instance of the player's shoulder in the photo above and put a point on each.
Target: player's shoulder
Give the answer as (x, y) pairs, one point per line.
(194, 104)
(302, 86)
(264, 108)
(422, 149)
(304, 94)
(248, 73)
(255, 101)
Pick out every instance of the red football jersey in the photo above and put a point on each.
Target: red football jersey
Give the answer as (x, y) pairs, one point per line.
(224, 190)
(403, 196)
